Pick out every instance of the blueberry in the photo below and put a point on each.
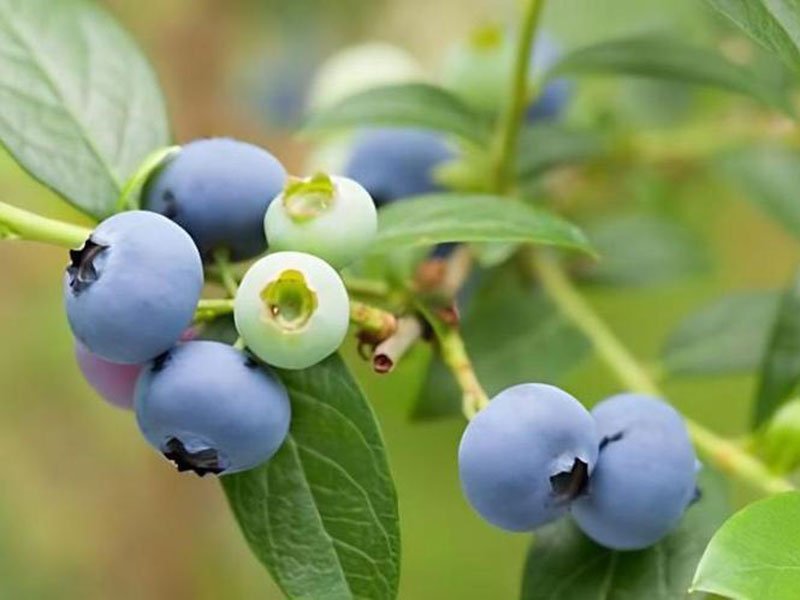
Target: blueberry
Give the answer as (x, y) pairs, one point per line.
(526, 455)
(292, 310)
(218, 190)
(480, 72)
(331, 217)
(114, 382)
(211, 408)
(554, 97)
(133, 287)
(397, 163)
(645, 475)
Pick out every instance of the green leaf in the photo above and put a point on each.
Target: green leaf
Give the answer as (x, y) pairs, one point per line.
(754, 556)
(780, 369)
(545, 146)
(775, 24)
(664, 58)
(408, 105)
(642, 250)
(514, 334)
(769, 177)
(81, 106)
(437, 218)
(322, 513)
(728, 335)
(564, 564)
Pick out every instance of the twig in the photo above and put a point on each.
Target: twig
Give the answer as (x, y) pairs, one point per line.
(391, 350)
(19, 224)
(375, 324)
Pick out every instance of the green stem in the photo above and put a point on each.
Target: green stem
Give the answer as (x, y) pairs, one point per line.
(378, 324)
(222, 261)
(724, 454)
(366, 287)
(19, 224)
(511, 120)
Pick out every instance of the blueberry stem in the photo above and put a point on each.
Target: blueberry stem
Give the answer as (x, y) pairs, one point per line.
(456, 358)
(723, 453)
(378, 324)
(222, 262)
(19, 224)
(366, 287)
(504, 149)
(129, 196)
(390, 351)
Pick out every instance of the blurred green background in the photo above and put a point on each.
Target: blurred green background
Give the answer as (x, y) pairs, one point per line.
(89, 511)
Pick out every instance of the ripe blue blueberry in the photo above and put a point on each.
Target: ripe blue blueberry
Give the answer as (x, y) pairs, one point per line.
(525, 456)
(645, 475)
(210, 408)
(113, 382)
(397, 163)
(331, 217)
(479, 72)
(218, 190)
(292, 310)
(132, 289)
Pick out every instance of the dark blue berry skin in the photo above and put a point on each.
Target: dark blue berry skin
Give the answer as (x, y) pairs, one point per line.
(526, 455)
(645, 475)
(397, 163)
(211, 409)
(556, 94)
(132, 290)
(551, 103)
(218, 190)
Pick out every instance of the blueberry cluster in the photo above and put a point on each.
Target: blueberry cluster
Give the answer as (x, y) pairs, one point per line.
(132, 290)
(626, 472)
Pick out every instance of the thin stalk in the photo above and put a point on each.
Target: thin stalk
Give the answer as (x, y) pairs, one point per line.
(20, 224)
(222, 262)
(510, 122)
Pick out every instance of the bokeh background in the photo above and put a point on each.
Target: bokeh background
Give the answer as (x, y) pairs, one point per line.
(87, 510)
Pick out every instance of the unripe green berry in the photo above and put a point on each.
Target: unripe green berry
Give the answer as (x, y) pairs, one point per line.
(331, 217)
(292, 310)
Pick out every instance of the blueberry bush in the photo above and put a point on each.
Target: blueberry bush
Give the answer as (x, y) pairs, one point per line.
(213, 293)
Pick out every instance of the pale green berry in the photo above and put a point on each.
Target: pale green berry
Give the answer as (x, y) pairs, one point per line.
(331, 217)
(292, 310)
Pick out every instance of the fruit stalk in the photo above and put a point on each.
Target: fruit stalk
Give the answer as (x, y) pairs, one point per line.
(509, 127)
(222, 262)
(378, 324)
(725, 455)
(455, 356)
(388, 352)
(19, 224)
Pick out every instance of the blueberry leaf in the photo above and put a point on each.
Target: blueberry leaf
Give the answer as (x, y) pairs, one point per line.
(437, 218)
(641, 249)
(769, 177)
(545, 146)
(563, 563)
(775, 24)
(514, 335)
(81, 106)
(728, 335)
(322, 513)
(409, 105)
(780, 369)
(754, 554)
(661, 57)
